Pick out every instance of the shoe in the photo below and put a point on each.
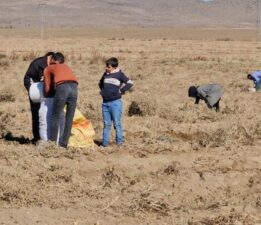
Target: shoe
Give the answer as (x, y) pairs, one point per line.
(63, 146)
(46, 145)
(103, 146)
(34, 141)
(120, 146)
(41, 144)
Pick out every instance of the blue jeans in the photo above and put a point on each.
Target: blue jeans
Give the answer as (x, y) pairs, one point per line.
(111, 111)
(258, 85)
(66, 95)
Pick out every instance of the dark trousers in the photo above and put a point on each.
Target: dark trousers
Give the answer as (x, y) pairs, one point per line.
(66, 95)
(35, 120)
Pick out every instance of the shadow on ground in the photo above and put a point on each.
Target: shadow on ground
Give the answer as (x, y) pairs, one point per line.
(21, 139)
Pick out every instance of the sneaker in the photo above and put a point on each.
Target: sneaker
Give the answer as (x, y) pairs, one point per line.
(120, 146)
(35, 141)
(63, 146)
(103, 146)
(40, 145)
(45, 145)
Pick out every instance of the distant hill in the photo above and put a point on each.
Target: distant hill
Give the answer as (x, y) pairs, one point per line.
(208, 13)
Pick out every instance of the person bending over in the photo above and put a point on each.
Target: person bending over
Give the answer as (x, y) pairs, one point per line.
(34, 74)
(256, 78)
(60, 81)
(210, 93)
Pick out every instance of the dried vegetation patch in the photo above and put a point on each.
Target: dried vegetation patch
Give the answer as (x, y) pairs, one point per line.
(181, 163)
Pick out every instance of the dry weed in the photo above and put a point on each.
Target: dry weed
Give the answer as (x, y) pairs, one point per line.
(224, 39)
(7, 97)
(5, 122)
(232, 218)
(224, 137)
(29, 56)
(141, 108)
(171, 169)
(110, 177)
(96, 57)
(146, 204)
(2, 56)
(14, 56)
(4, 63)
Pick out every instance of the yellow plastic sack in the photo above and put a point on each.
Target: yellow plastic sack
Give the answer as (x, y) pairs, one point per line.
(82, 132)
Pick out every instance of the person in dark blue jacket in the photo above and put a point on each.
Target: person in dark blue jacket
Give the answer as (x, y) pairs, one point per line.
(113, 84)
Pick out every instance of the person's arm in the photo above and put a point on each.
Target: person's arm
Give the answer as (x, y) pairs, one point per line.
(28, 76)
(127, 83)
(254, 80)
(101, 82)
(217, 106)
(47, 81)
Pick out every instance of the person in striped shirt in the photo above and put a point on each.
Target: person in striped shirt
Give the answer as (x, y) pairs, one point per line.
(113, 84)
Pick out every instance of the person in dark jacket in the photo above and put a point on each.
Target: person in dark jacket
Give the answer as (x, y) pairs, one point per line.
(113, 85)
(35, 74)
(210, 93)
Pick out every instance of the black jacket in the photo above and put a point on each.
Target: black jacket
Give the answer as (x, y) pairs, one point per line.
(35, 71)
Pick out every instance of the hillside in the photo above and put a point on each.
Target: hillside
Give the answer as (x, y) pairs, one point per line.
(216, 13)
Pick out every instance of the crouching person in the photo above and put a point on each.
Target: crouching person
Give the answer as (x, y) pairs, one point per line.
(59, 78)
(256, 78)
(210, 93)
(113, 85)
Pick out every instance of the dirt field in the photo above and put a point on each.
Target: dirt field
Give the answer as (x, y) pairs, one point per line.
(181, 164)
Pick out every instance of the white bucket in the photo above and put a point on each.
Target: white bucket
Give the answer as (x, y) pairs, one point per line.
(36, 92)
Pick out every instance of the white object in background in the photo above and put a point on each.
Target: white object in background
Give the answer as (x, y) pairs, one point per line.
(36, 92)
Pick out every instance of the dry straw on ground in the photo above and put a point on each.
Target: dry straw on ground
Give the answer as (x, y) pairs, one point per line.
(181, 163)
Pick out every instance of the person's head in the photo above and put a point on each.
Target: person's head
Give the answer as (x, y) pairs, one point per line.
(50, 54)
(111, 64)
(249, 76)
(192, 92)
(50, 59)
(58, 57)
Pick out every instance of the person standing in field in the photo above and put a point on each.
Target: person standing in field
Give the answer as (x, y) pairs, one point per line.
(113, 85)
(35, 74)
(210, 93)
(60, 81)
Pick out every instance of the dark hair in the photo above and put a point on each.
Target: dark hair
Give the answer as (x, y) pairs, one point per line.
(192, 91)
(50, 54)
(58, 56)
(112, 62)
(249, 76)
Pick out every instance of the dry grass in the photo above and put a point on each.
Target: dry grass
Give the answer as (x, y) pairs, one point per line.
(181, 163)
(29, 56)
